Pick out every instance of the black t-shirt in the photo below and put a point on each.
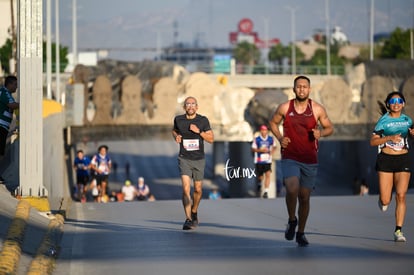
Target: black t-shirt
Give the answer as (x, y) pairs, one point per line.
(192, 144)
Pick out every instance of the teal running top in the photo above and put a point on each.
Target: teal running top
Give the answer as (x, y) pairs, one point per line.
(388, 126)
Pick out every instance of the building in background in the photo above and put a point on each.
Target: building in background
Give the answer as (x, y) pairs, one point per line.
(246, 33)
(7, 25)
(5, 20)
(215, 59)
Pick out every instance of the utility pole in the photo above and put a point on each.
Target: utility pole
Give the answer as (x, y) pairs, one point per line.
(30, 97)
(57, 53)
(328, 39)
(411, 36)
(293, 38)
(48, 49)
(266, 46)
(371, 32)
(74, 34)
(14, 39)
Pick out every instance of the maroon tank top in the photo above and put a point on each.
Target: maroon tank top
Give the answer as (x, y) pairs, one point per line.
(303, 147)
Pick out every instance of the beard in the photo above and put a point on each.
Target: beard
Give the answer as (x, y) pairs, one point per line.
(301, 99)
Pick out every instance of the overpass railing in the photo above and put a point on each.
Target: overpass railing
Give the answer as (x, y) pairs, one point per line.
(270, 69)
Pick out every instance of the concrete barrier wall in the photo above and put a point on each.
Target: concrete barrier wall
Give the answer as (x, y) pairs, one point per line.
(55, 175)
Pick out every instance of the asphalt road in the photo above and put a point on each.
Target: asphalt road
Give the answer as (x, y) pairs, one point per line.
(347, 234)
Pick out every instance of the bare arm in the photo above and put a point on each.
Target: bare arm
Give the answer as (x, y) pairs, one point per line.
(378, 140)
(13, 106)
(325, 122)
(276, 120)
(208, 136)
(177, 137)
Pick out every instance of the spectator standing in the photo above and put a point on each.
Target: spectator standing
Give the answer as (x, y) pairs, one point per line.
(7, 106)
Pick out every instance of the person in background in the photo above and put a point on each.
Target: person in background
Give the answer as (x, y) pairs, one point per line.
(304, 123)
(263, 147)
(81, 165)
(101, 164)
(143, 191)
(129, 191)
(93, 186)
(7, 106)
(364, 189)
(190, 130)
(214, 194)
(393, 163)
(113, 196)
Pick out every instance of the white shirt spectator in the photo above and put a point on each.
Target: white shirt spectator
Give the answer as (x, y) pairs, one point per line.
(129, 191)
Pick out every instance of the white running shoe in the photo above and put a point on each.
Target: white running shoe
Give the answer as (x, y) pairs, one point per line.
(382, 207)
(399, 236)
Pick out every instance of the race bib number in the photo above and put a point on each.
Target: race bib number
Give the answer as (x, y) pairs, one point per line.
(103, 168)
(191, 144)
(264, 157)
(396, 146)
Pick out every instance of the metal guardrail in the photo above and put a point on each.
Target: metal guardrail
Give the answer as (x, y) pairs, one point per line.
(271, 69)
(267, 80)
(255, 69)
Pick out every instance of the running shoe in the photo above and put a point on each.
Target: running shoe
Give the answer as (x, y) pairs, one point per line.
(382, 207)
(399, 236)
(290, 229)
(265, 196)
(301, 239)
(194, 219)
(188, 224)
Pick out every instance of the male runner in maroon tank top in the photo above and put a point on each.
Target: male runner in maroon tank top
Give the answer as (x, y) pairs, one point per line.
(304, 122)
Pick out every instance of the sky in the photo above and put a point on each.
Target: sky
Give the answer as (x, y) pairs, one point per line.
(151, 24)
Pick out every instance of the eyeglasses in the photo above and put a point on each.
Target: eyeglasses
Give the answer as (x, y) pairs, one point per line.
(190, 104)
(396, 100)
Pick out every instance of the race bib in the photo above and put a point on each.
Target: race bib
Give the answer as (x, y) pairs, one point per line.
(191, 144)
(103, 167)
(396, 146)
(264, 157)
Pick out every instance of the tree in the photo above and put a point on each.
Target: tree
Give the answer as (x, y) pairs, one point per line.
(398, 45)
(246, 53)
(63, 52)
(279, 52)
(365, 52)
(7, 49)
(5, 55)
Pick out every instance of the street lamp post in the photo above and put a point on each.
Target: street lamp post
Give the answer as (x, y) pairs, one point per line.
(48, 50)
(412, 37)
(266, 45)
(328, 39)
(293, 27)
(371, 33)
(57, 52)
(74, 34)
(30, 98)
